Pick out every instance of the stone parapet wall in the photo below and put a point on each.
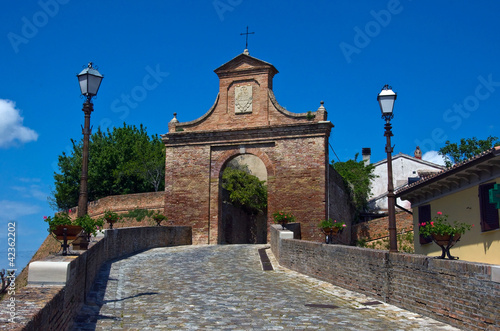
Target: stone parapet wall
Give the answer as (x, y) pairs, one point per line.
(53, 307)
(123, 203)
(464, 294)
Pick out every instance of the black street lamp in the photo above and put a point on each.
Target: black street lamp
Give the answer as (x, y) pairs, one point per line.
(386, 100)
(90, 80)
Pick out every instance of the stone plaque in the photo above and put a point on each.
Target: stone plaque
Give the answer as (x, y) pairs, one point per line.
(243, 99)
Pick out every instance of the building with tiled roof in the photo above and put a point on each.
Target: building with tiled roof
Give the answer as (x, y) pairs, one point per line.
(463, 193)
(404, 169)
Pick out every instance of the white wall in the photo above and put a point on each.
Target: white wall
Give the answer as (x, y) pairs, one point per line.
(403, 166)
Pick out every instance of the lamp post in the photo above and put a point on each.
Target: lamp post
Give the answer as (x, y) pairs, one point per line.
(90, 80)
(386, 100)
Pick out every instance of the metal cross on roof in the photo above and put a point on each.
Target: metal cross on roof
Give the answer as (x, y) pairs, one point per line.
(495, 195)
(246, 33)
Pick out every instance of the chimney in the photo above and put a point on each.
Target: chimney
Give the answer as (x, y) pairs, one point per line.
(418, 153)
(366, 152)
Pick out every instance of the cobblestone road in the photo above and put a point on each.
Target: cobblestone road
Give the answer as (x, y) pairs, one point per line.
(224, 288)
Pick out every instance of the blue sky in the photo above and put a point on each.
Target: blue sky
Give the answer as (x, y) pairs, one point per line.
(441, 57)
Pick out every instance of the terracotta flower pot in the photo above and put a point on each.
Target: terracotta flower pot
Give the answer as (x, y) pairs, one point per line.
(72, 232)
(446, 239)
(333, 230)
(110, 222)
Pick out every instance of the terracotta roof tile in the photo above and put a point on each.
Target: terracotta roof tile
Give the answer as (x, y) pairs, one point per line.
(493, 150)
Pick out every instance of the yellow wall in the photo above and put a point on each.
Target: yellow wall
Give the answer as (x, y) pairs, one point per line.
(474, 245)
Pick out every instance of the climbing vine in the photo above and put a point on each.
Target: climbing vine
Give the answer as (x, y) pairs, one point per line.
(357, 176)
(246, 191)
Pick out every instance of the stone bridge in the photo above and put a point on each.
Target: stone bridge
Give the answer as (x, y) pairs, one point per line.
(149, 278)
(224, 287)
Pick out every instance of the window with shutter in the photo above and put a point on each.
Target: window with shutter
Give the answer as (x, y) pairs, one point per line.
(424, 215)
(489, 212)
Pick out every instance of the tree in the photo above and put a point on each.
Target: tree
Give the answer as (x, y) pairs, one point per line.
(150, 161)
(357, 177)
(246, 191)
(123, 161)
(468, 147)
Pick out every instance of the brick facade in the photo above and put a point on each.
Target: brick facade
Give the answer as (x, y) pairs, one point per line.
(293, 148)
(379, 228)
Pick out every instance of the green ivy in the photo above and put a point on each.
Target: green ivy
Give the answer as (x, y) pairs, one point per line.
(245, 190)
(357, 177)
(139, 214)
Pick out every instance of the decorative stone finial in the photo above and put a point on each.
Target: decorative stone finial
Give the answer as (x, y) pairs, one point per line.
(174, 120)
(418, 153)
(246, 52)
(321, 107)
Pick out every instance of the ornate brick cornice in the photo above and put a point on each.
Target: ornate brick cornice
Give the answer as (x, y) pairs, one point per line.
(258, 134)
(232, 67)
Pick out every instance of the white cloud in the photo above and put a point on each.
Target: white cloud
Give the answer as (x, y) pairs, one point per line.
(33, 191)
(30, 180)
(38, 194)
(12, 130)
(434, 157)
(11, 210)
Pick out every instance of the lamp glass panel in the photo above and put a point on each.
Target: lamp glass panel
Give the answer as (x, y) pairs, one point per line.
(83, 84)
(93, 84)
(386, 104)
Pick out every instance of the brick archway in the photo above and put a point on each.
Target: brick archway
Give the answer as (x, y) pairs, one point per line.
(216, 167)
(235, 224)
(228, 155)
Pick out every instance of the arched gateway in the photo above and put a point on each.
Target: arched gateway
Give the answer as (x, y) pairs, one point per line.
(246, 119)
(238, 225)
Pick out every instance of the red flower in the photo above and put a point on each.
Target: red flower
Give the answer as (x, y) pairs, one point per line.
(439, 213)
(432, 223)
(45, 217)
